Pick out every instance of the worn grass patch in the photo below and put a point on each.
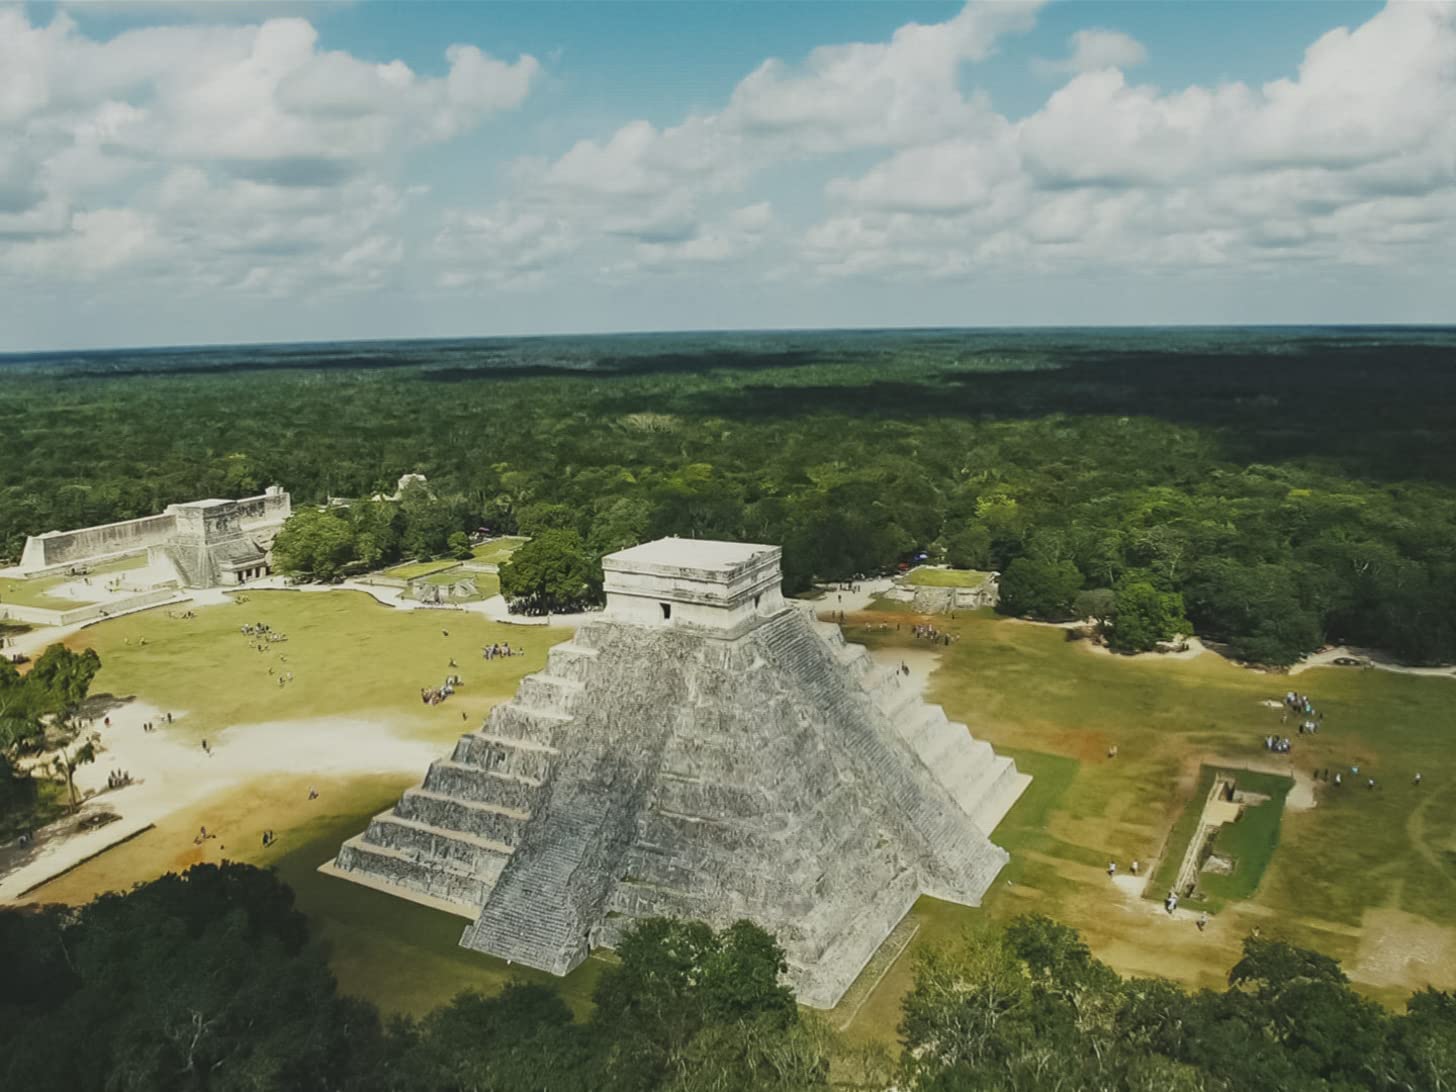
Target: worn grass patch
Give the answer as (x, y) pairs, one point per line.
(498, 550)
(1058, 708)
(413, 570)
(348, 654)
(946, 578)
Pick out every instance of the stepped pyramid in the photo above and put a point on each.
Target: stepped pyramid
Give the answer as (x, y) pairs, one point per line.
(704, 750)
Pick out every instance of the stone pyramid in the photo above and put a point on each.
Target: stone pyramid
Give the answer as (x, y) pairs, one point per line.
(704, 750)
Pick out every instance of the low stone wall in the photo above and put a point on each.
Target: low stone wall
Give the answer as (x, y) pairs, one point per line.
(39, 616)
(931, 599)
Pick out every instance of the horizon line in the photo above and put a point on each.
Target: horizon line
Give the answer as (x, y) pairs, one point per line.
(1005, 328)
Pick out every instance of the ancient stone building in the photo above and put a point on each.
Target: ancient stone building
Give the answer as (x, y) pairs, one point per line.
(209, 542)
(705, 750)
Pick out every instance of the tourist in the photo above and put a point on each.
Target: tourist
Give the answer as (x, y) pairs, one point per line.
(1203, 921)
(312, 793)
(1370, 784)
(1135, 866)
(1111, 869)
(1417, 779)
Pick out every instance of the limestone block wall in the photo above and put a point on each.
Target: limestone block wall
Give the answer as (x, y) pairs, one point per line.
(273, 506)
(61, 547)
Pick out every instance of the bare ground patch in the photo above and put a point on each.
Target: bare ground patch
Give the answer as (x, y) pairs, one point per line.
(1401, 950)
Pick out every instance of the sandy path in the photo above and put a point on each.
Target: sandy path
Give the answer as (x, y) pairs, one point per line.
(834, 599)
(922, 662)
(169, 774)
(1370, 656)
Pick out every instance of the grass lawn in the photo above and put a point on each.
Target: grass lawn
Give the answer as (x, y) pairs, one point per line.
(497, 550)
(946, 578)
(1056, 707)
(413, 570)
(348, 653)
(35, 593)
(362, 658)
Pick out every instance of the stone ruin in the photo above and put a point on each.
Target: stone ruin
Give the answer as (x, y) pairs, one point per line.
(705, 750)
(210, 543)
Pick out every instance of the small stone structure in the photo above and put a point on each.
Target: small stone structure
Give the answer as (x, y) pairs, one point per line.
(462, 588)
(704, 750)
(405, 481)
(927, 599)
(210, 542)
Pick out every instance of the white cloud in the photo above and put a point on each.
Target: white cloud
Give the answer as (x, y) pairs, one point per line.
(1092, 50)
(1351, 161)
(666, 191)
(239, 150)
(222, 159)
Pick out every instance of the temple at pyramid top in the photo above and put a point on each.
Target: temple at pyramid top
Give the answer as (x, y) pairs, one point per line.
(722, 587)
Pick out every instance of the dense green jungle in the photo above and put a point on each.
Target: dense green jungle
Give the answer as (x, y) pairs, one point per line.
(1292, 487)
(211, 981)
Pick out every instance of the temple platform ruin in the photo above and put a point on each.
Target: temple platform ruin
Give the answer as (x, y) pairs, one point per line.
(705, 749)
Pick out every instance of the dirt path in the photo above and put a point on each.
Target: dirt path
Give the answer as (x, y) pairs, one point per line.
(170, 774)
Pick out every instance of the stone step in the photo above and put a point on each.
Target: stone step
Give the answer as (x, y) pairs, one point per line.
(998, 799)
(398, 869)
(449, 778)
(390, 824)
(504, 754)
(516, 719)
(549, 691)
(571, 661)
(492, 822)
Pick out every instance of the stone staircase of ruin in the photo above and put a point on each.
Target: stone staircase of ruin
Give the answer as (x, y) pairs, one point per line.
(451, 837)
(984, 783)
(795, 646)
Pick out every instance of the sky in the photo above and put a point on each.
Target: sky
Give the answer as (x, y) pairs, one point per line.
(195, 172)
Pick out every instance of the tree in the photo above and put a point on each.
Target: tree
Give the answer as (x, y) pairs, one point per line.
(19, 723)
(191, 982)
(459, 546)
(1040, 589)
(533, 519)
(1145, 616)
(60, 680)
(522, 1038)
(969, 547)
(316, 543)
(552, 572)
(1099, 604)
(685, 998)
(68, 760)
